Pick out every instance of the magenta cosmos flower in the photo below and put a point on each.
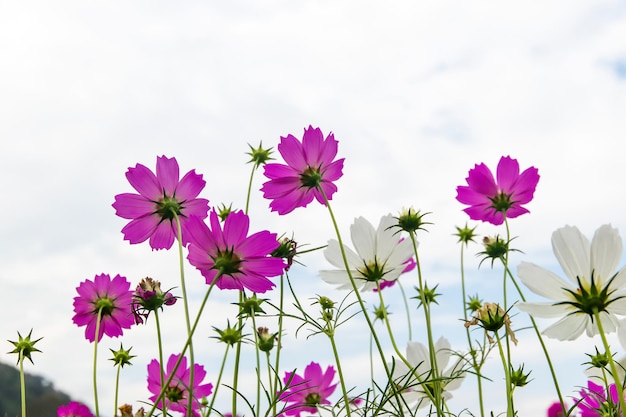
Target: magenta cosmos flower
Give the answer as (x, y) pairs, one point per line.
(161, 198)
(177, 392)
(74, 409)
(490, 200)
(243, 261)
(112, 298)
(595, 403)
(304, 393)
(310, 169)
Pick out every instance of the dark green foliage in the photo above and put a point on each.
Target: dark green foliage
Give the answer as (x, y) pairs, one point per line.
(42, 399)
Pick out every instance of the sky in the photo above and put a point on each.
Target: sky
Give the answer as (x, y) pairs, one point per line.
(415, 92)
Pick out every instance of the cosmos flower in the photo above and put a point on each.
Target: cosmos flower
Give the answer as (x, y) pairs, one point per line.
(595, 403)
(419, 358)
(490, 200)
(310, 168)
(380, 256)
(244, 261)
(177, 393)
(304, 393)
(556, 410)
(592, 283)
(161, 198)
(74, 409)
(112, 297)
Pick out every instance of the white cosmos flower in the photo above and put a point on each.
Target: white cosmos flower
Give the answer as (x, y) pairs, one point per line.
(592, 282)
(421, 372)
(380, 255)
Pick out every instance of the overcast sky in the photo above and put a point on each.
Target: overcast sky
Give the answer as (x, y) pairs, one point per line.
(415, 92)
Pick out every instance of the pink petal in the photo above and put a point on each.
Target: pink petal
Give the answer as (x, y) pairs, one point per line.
(189, 186)
(139, 230)
(507, 172)
(131, 206)
(291, 150)
(144, 181)
(480, 179)
(167, 173)
(312, 145)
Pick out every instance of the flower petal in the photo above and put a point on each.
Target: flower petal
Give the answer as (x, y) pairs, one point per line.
(572, 250)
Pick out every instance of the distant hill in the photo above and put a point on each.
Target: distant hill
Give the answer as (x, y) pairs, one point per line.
(42, 399)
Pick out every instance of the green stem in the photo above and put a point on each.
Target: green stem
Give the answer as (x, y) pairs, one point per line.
(219, 378)
(469, 339)
(95, 362)
(237, 360)
(183, 288)
(160, 348)
(346, 401)
(618, 383)
(258, 363)
(507, 375)
(437, 394)
(279, 341)
(22, 382)
(117, 387)
(406, 309)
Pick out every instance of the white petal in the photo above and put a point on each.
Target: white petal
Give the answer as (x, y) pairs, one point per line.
(442, 347)
(417, 355)
(619, 305)
(620, 279)
(544, 310)
(542, 282)
(610, 324)
(332, 253)
(401, 252)
(572, 250)
(568, 328)
(337, 277)
(363, 238)
(386, 237)
(606, 252)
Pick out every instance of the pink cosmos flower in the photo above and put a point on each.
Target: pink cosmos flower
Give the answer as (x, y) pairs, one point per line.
(244, 261)
(177, 393)
(310, 168)
(304, 393)
(161, 197)
(74, 409)
(556, 410)
(112, 297)
(594, 402)
(490, 200)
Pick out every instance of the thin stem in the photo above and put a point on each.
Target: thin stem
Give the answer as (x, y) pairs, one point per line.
(117, 387)
(507, 375)
(22, 382)
(437, 394)
(237, 360)
(279, 337)
(346, 401)
(469, 339)
(258, 362)
(186, 304)
(95, 362)
(406, 309)
(160, 347)
(219, 378)
(618, 383)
